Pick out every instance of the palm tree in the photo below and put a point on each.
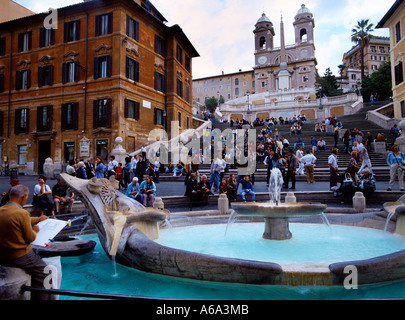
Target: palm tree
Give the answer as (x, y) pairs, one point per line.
(361, 35)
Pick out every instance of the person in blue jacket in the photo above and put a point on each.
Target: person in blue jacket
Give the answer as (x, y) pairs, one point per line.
(247, 188)
(134, 191)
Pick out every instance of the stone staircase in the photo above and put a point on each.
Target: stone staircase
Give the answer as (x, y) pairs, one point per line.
(357, 120)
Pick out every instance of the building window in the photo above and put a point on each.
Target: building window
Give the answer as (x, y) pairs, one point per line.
(22, 79)
(71, 31)
(132, 69)
(262, 43)
(132, 28)
(44, 118)
(132, 109)
(160, 82)
(179, 54)
(1, 84)
(398, 32)
(102, 149)
(69, 116)
(399, 73)
(46, 37)
(188, 123)
(158, 116)
(179, 88)
(69, 151)
(188, 94)
(21, 124)
(236, 81)
(70, 72)
(236, 91)
(102, 113)
(45, 76)
(187, 63)
(102, 67)
(403, 109)
(354, 77)
(24, 41)
(2, 46)
(1, 123)
(22, 154)
(303, 35)
(104, 24)
(179, 118)
(160, 46)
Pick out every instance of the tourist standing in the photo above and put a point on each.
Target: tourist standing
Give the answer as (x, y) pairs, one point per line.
(112, 165)
(100, 168)
(396, 162)
(308, 161)
(292, 166)
(334, 168)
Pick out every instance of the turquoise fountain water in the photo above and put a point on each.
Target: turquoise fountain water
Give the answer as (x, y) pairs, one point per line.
(95, 273)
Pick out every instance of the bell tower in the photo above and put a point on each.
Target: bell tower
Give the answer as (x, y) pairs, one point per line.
(264, 39)
(304, 25)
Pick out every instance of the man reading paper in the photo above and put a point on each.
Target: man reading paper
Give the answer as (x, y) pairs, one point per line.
(17, 231)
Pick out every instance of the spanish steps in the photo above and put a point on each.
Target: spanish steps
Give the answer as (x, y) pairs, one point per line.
(358, 120)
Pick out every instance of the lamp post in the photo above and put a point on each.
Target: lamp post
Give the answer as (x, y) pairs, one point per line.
(320, 97)
(359, 87)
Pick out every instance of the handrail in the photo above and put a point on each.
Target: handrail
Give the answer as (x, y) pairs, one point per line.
(97, 295)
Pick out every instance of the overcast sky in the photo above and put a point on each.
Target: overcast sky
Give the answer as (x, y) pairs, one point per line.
(222, 30)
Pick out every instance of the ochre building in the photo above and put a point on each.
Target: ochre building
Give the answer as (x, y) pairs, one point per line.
(110, 69)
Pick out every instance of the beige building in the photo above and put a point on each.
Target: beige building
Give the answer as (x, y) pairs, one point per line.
(395, 21)
(229, 86)
(10, 10)
(375, 54)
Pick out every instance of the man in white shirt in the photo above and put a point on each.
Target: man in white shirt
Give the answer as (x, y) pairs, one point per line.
(112, 165)
(134, 162)
(334, 168)
(309, 163)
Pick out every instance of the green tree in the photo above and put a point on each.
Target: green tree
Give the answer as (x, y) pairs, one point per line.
(328, 83)
(361, 34)
(212, 102)
(380, 82)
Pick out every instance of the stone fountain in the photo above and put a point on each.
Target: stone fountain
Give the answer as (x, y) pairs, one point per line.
(128, 233)
(277, 215)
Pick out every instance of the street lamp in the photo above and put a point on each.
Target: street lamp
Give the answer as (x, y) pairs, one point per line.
(359, 86)
(248, 104)
(320, 97)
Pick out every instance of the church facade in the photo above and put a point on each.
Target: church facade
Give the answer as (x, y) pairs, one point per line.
(287, 67)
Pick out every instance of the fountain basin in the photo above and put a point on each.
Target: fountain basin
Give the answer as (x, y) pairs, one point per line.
(277, 217)
(154, 257)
